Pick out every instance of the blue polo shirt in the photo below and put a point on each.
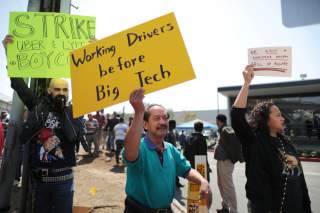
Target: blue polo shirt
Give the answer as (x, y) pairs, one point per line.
(150, 183)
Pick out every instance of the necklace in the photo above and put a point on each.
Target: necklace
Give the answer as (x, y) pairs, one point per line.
(286, 176)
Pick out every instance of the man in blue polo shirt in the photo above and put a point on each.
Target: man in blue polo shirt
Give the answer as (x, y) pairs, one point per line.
(153, 164)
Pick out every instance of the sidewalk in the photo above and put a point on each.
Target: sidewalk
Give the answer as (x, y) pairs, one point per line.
(101, 185)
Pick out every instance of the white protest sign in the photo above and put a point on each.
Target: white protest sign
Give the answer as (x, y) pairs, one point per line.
(271, 61)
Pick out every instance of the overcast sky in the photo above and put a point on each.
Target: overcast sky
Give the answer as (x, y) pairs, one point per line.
(217, 34)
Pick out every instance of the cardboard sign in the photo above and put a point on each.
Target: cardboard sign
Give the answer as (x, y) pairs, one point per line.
(43, 41)
(150, 56)
(193, 206)
(271, 61)
(194, 203)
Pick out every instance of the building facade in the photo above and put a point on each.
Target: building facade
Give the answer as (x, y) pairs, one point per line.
(299, 102)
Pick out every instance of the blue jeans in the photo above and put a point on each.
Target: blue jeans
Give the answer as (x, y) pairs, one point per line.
(119, 144)
(54, 197)
(110, 141)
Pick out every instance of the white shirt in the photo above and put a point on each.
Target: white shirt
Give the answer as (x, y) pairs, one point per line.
(120, 131)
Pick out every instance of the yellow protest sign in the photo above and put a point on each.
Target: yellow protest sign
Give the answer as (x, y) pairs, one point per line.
(151, 55)
(43, 41)
(194, 203)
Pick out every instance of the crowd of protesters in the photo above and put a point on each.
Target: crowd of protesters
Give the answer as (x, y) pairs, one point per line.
(147, 145)
(114, 135)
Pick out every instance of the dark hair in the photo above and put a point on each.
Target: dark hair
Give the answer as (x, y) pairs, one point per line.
(121, 120)
(172, 124)
(198, 126)
(146, 114)
(258, 118)
(222, 118)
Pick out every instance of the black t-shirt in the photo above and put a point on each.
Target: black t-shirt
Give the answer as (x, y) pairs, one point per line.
(52, 149)
(293, 171)
(171, 138)
(112, 123)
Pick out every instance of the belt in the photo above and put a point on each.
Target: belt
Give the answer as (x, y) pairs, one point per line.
(133, 206)
(53, 175)
(57, 179)
(62, 169)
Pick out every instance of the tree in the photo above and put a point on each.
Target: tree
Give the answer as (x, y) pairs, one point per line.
(171, 113)
(189, 116)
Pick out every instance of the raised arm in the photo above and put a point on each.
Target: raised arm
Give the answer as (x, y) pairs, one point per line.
(238, 112)
(132, 140)
(241, 100)
(18, 84)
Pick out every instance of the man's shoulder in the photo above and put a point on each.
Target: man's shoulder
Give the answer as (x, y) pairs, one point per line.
(143, 147)
(196, 136)
(170, 146)
(228, 134)
(143, 143)
(118, 126)
(123, 125)
(166, 143)
(228, 130)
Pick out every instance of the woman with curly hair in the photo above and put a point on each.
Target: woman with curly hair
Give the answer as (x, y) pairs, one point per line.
(275, 179)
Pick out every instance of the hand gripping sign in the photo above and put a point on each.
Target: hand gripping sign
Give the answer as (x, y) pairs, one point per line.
(194, 203)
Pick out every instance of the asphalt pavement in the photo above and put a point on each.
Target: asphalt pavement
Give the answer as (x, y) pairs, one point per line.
(311, 171)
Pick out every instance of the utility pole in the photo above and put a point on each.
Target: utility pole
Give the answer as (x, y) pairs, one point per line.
(13, 144)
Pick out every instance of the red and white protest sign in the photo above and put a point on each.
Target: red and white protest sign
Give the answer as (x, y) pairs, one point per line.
(271, 61)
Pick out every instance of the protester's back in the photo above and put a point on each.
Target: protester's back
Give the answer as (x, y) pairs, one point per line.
(120, 130)
(229, 145)
(171, 135)
(182, 139)
(112, 123)
(196, 145)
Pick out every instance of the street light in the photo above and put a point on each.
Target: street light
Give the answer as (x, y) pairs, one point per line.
(303, 76)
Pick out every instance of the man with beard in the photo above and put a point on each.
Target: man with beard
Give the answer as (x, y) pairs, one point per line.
(52, 133)
(1, 136)
(152, 163)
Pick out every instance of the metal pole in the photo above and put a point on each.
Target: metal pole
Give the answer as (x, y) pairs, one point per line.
(218, 101)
